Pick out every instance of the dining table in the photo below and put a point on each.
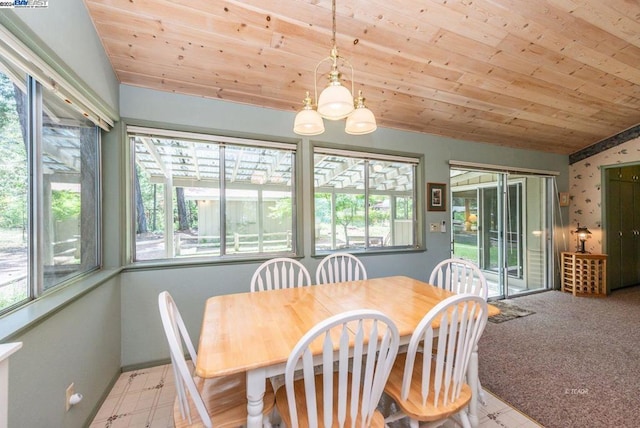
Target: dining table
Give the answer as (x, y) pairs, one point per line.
(256, 332)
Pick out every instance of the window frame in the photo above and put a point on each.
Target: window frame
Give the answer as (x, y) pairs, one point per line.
(34, 142)
(135, 127)
(22, 51)
(370, 154)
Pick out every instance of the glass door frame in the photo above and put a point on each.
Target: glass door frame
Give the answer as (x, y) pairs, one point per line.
(504, 180)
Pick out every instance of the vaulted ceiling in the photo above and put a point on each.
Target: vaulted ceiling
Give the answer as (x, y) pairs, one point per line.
(554, 75)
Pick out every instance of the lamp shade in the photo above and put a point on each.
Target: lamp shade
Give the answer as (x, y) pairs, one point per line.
(583, 232)
(360, 122)
(335, 102)
(308, 122)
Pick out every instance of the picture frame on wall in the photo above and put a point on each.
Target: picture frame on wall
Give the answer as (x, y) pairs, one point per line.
(563, 198)
(436, 197)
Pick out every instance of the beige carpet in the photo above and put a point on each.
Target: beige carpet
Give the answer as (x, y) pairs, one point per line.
(574, 363)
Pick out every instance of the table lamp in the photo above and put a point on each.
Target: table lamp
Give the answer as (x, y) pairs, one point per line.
(583, 233)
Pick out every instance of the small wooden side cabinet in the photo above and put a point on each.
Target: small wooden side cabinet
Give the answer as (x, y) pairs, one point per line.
(584, 274)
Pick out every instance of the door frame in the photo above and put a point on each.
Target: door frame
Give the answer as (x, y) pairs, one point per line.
(605, 226)
(505, 178)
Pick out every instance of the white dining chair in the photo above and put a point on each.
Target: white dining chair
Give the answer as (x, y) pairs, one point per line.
(432, 388)
(280, 273)
(459, 276)
(340, 267)
(201, 402)
(357, 350)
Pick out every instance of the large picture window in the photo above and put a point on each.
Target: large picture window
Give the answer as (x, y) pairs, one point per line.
(209, 196)
(49, 181)
(364, 201)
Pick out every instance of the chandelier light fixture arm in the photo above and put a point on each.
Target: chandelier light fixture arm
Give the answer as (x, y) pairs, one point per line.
(335, 102)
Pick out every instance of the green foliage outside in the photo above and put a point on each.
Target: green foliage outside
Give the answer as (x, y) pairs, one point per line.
(323, 208)
(378, 216)
(192, 213)
(149, 193)
(459, 215)
(65, 204)
(349, 209)
(13, 161)
(350, 215)
(12, 294)
(470, 252)
(13, 169)
(281, 211)
(404, 207)
(7, 102)
(467, 252)
(153, 201)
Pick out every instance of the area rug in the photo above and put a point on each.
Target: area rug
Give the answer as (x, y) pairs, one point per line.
(508, 311)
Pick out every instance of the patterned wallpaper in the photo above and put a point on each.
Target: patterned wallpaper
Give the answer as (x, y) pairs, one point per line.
(585, 195)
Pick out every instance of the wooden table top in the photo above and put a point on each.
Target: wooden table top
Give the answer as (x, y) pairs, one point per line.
(245, 331)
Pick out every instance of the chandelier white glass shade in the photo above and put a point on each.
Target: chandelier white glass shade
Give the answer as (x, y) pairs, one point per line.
(335, 102)
(308, 121)
(361, 121)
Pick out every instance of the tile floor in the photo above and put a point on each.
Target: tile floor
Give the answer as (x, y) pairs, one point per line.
(144, 399)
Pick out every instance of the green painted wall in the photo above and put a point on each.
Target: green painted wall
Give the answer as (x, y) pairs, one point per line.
(80, 344)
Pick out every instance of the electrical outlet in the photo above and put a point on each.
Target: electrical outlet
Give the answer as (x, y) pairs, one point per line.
(70, 392)
(433, 227)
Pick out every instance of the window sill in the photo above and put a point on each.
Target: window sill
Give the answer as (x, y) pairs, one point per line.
(372, 252)
(31, 314)
(178, 263)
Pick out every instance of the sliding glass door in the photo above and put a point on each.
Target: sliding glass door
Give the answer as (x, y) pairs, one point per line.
(502, 222)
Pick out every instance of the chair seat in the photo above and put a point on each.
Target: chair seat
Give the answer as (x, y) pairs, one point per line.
(412, 406)
(301, 405)
(226, 401)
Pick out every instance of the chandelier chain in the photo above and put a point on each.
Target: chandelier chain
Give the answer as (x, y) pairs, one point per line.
(333, 9)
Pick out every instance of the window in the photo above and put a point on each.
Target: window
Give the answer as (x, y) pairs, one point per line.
(49, 181)
(364, 201)
(200, 195)
(14, 191)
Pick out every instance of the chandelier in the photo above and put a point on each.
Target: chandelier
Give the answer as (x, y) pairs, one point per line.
(336, 102)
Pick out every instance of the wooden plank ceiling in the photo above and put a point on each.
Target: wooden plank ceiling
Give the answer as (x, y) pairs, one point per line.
(554, 75)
